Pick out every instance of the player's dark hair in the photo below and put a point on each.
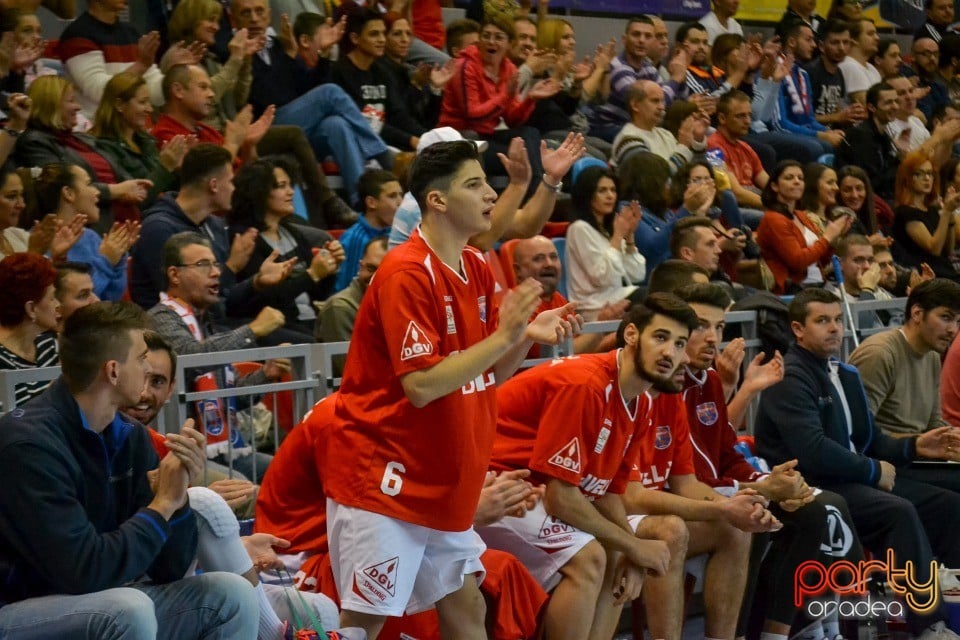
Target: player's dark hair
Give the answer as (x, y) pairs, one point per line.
(664, 304)
(707, 293)
(435, 166)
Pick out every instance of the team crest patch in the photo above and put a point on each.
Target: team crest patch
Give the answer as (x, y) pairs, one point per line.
(663, 438)
(568, 457)
(378, 580)
(707, 413)
(482, 305)
(415, 343)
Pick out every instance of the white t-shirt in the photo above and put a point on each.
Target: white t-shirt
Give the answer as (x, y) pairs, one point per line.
(712, 24)
(918, 131)
(858, 77)
(814, 275)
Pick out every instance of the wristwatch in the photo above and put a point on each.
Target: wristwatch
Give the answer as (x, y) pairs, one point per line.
(553, 187)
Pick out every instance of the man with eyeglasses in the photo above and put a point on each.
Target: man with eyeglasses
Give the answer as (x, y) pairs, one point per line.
(926, 64)
(336, 314)
(182, 316)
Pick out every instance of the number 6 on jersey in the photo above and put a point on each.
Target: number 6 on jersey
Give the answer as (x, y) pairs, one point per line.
(392, 483)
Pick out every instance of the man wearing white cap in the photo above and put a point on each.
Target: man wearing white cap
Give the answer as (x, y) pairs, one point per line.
(508, 219)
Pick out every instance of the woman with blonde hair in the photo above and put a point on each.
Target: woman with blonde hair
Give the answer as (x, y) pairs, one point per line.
(121, 128)
(199, 21)
(50, 138)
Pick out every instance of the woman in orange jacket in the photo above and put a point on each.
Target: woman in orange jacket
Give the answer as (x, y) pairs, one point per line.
(790, 242)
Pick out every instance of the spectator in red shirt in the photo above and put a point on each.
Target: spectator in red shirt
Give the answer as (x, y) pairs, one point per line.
(483, 93)
(746, 173)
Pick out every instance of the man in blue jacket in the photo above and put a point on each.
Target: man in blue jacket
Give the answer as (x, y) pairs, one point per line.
(90, 547)
(819, 415)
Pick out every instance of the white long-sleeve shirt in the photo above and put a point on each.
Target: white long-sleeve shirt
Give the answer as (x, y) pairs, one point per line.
(597, 273)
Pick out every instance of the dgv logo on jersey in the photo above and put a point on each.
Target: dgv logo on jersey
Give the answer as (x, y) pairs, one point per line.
(379, 580)
(415, 343)
(568, 457)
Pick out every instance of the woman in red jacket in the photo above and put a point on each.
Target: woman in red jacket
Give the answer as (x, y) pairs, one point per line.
(483, 91)
(790, 242)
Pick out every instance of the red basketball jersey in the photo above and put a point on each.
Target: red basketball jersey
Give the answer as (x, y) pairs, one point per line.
(291, 503)
(665, 446)
(424, 466)
(566, 419)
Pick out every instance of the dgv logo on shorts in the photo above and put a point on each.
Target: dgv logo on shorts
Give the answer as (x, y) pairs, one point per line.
(378, 580)
(555, 531)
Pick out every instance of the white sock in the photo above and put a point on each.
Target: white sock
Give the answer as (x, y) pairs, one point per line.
(766, 635)
(271, 628)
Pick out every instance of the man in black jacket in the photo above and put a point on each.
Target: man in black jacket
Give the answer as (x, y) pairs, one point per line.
(819, 415)
(868, 146)
(83, 528)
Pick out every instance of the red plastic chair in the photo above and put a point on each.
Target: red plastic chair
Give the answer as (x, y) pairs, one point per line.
(506, 260)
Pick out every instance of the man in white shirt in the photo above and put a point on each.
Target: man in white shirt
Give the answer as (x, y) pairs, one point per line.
(720, 20)
(858, 74)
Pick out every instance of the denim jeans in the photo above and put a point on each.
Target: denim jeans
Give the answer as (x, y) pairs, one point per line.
(334, 126)
(213, 606)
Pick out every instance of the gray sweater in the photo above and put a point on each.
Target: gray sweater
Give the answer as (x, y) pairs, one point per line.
(903, 387)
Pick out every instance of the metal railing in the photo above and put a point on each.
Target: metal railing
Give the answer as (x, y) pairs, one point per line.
(314, 376)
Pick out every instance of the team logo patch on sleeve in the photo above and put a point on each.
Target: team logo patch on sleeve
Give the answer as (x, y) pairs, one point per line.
(707, 413)
(663, 438)
(482, 305)
(415, 343)
(378, 580)
(568, 457)
(602, 438)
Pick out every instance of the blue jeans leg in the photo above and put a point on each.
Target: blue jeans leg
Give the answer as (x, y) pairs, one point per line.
(114, 614)
(212, 606)
(334, 126)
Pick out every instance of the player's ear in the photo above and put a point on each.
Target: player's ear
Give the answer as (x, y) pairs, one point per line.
(631, 335)
(436, 199)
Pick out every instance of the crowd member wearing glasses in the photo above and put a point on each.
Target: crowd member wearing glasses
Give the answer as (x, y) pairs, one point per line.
(924, 224)
(183, 317)
(336, 314)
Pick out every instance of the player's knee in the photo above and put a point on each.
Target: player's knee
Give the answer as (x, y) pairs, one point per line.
(464, 609)
(672, 530)
(732, 539)
(588, 565)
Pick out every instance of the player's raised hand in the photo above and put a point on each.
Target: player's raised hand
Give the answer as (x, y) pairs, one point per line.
(555, 325)
(517, 307)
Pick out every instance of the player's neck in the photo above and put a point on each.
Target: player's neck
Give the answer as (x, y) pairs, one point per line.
(445, 241)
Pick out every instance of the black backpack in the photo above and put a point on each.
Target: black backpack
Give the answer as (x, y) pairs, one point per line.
(773, 322)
